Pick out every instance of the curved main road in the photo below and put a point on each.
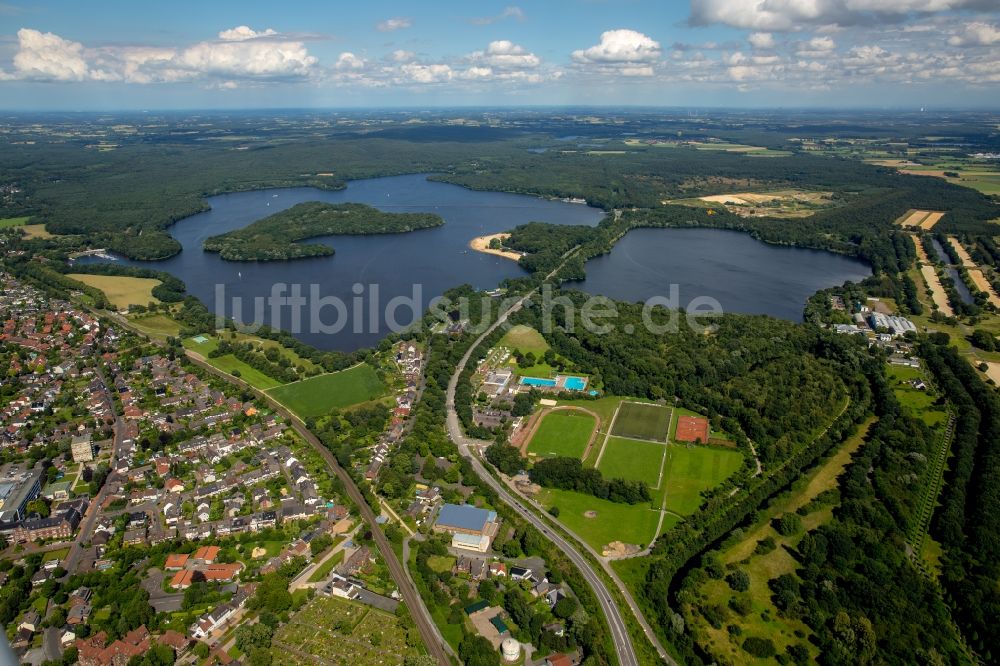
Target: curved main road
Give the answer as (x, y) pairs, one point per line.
(619, 632)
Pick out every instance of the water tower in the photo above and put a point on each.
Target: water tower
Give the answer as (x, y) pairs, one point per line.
(510, 649)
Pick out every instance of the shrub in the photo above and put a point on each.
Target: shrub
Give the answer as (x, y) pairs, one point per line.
(762, 648)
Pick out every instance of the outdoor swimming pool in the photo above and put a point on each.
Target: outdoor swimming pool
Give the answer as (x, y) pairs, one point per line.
(537, 381)
(561, 381)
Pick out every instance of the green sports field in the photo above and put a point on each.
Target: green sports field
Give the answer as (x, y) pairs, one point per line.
(642, 421)
(611, 521)
(562, 433)
(316, 396)
(632, 460)
(691, 470)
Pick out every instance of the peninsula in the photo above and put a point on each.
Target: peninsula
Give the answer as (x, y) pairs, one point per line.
(275, 238)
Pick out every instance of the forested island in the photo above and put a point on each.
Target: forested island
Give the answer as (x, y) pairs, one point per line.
(275, 238)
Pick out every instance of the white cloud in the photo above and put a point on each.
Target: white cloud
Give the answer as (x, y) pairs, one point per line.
(504, 54)
(348, 60)
(512, 11)
(435, 73)
(393, 24)
(43, 55)
(626, 52)
(976, 34)
(817, 47)
(242, 33)
(240, 53)
(785, 15)
(761, 40)
(400, 55)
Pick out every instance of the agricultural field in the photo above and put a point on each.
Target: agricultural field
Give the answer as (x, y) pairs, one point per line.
(36, 231)
(122, 291)
(763, 564)
(919, 219)
(7, 222)
(633, 460)
(316, 396)
(784, 204)
(642, 421)
(562, 433)
(329, 630)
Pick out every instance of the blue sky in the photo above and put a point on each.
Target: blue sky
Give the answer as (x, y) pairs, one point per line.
(739, 53)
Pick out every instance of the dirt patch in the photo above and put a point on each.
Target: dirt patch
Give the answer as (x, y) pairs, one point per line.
(590, 514)
(983, 285)
(617, 550)
(937, 290)
(962, 253)
(258, 552)
(482, 244)
(994, 371)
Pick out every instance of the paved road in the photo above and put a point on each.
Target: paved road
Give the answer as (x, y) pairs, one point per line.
(466, 446)
(87, 524)
(429, 632)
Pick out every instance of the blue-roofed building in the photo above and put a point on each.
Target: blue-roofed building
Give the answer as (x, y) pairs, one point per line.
(471, 528)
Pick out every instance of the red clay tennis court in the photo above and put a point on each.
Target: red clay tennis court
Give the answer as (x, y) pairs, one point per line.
(692, 429)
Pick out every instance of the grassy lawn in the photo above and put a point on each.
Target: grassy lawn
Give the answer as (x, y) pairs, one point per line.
(764, 620)
(440, 563)
(155, 325)
(323, 570)
(692, 470)
(642, 421)
(563, 433)
(630, 523)
(59, 554)
(229, 363)
(633, 460)
(36, 231)
(6, 222)
(920, 403)
(524, 339)
(316, 396)
(120, 290)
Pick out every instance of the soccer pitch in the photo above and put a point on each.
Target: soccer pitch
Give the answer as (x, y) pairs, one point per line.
(633, 461)
(562, 433)
(642, 421)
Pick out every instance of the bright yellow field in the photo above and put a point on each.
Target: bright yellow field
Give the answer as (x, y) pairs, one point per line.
(122, 291)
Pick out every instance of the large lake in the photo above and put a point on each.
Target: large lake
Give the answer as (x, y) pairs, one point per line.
(743, 274)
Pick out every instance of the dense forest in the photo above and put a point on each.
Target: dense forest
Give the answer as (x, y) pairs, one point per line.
(968, 521)
(275, 238)
(127, 198)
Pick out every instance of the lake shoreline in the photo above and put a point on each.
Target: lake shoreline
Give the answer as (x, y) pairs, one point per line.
(482, 244)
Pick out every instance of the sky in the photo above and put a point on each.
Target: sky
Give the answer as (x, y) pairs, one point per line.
(216, 54)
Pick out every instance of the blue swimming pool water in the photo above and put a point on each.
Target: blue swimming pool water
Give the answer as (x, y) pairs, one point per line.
(536, 381)
(575, 383)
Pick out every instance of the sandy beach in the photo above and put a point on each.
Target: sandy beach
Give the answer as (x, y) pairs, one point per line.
(482, 244)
